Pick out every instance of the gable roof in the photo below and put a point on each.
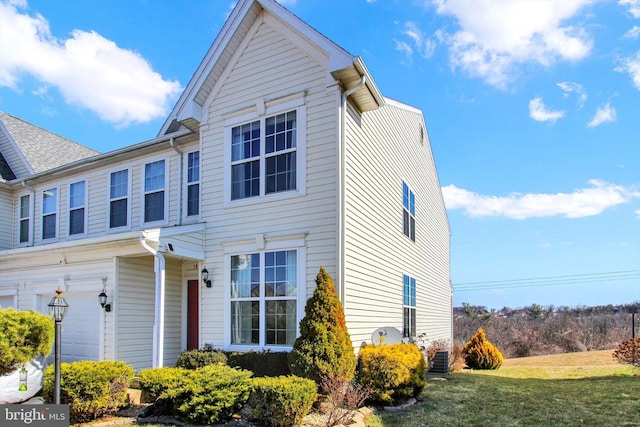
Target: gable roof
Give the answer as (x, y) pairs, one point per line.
(40, 149)
(344, 67)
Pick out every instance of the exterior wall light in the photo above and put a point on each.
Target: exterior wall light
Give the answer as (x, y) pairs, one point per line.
(102, 299)
(204, 275)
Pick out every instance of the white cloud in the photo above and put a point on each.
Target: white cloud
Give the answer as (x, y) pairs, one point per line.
(569, 87)
(89, 70)
(539, 112)
(632, 66)
(495, 37)
(424, 45)
(638, 214)
(581, 202)
(604, 114)
(633, 33)
(404, 48)
(633, 7)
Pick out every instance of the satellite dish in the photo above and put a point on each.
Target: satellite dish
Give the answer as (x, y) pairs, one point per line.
(386, 335)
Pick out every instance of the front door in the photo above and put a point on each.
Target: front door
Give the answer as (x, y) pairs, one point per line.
(193, 318)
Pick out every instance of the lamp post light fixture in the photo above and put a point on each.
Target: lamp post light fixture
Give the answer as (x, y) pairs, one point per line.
(57, 310)
(204, 275)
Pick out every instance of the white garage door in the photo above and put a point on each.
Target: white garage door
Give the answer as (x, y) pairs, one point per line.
(80, 327)
(6, 301)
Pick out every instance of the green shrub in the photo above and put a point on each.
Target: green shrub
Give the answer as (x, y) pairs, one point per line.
(324, 345)
(25, 335)
(481, 354)
(628, 352)
(155, 383)
(193, 359)
(281, 401)
(261, 363)
(392, 372)
(210, 394)
(92, 389)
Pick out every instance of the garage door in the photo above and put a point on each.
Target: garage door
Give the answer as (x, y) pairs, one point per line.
(80, 327)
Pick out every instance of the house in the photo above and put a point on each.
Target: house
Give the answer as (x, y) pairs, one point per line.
(264, 171)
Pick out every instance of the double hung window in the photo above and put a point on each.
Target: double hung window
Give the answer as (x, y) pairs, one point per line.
(49, 213)
(119, 199)
(264, 156)
(264, 298)
(193, 183)
(409, 306)
(154, 182)
(25, 219)
(77, 201)
(408, 212)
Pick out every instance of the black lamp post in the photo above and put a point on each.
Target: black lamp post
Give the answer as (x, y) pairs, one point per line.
(57, 310)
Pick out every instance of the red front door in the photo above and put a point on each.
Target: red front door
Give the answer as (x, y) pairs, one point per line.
(193, 319)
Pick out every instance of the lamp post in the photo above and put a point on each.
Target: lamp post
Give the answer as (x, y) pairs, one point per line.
(57, 310)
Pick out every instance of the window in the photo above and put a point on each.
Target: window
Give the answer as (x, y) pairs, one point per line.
(264, 298)
(264, 156)
(154, 191)
(77, 203)
(25, 219)
(409, 307)
(119, 199)
(193, 183)
(408, 212)
(49, 213)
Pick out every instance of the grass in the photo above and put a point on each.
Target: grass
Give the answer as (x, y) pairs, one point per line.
(589, 389)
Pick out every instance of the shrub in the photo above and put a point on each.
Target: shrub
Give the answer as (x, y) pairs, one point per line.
(92, 389)
(155, 384)
(343, 398)
(193, 359)
(394, 372)
(210, 394)
(628, 352)
(281, 401)
(261, 363)
(457, 359)
(25, 335)
(324, 346)
(481, 354)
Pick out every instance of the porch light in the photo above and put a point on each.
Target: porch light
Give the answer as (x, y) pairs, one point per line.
(204, 275)
(102, 299)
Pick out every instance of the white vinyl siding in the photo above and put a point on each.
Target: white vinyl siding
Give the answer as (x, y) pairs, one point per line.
(7, 236)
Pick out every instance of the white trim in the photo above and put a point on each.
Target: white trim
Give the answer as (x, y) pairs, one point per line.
(30, 217)
(187, 184)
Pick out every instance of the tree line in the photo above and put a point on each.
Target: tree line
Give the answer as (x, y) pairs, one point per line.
(537, 330)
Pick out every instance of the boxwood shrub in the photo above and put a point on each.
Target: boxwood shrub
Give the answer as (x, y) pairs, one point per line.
(25, 335)
(92, 389)
(393, 372)
(281, 401)
(261, 363)
(155, 383)
(193, 359)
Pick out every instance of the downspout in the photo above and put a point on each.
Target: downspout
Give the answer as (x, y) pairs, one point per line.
(342, 239)
(158, 325)
(32, 224)
(180, 179)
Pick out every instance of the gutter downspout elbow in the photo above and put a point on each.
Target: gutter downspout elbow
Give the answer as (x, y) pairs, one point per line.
(158, 327)
(172, 143)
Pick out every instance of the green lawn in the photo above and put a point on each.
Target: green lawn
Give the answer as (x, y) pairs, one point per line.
(587, 389)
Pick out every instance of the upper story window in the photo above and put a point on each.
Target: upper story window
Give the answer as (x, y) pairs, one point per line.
(409, 306)
(24, 233)
(77, 210)
(193, 183)
(408, 212)
(119, 199)
(49, 213)
(264, 156)
(154, 183)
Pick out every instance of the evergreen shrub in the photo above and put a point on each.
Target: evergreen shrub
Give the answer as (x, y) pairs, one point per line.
(261, 363)
(324, 346)
(92, 389)
(281, 401)
(481, 354)
(393, 372)
(193, 359)
(155, 384)
(25, 335)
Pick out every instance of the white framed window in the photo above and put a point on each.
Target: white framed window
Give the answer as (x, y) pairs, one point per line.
(265, 156)
(408, 212)
(77, 208)
(409, 306)
(266, 297)
(192, 198)
(24, 219)
(154, 192)
(119, 205)
(49, 213)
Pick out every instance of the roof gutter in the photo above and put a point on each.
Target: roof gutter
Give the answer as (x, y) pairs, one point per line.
(158, 326)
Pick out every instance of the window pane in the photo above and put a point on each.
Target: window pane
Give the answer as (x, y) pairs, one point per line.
(76, 221)
(49, 226)
(405, 223)
(281, 172)
(118, 213)
(193, 199)
(281, 273)
(49, 201)
(245, 180)
(405, 195)
(154, 176)
(413, 229)
(245, 141)
(281, 322)
(76, 194)
(24, 231)
(280, 132)
(245, 322)
(154, 206)
(119, 184)
(406, 322)
(24, 207)
(245, 276)
(412, 203)
(193, 167)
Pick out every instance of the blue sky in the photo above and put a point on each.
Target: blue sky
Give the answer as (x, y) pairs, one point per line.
(532, 108)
